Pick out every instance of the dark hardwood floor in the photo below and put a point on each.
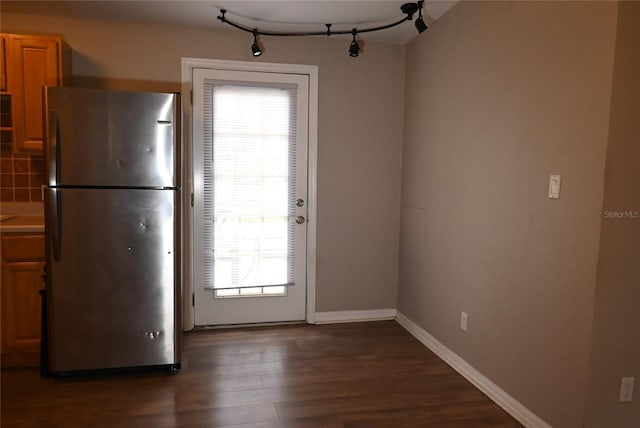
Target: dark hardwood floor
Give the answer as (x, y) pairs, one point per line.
(366, 375)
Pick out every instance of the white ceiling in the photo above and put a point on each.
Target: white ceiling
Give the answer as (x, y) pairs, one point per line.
(300, 15)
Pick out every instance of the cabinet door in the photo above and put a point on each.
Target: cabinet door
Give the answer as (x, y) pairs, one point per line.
(21, 306)
(3, 64)
(34, 62)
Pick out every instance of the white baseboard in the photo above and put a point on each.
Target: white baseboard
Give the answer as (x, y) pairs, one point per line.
(354, 316)
(484, 384)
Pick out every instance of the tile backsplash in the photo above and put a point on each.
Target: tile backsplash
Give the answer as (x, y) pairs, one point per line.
(20, 175)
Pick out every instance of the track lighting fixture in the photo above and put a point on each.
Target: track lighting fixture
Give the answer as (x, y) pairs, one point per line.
(255, 47)
(408, 9)
(354, 48)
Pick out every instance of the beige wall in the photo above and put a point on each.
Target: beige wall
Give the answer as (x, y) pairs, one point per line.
(360, 132)
(500, 95)
(616, 335)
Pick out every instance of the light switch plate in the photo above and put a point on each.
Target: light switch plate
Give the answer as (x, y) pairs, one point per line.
(626, 389)
(554, 186)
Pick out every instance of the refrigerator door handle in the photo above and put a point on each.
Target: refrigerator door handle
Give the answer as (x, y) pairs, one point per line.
(54, 226)
(54, 151)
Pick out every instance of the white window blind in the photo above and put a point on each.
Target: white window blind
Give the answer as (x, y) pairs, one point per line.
(249, 184)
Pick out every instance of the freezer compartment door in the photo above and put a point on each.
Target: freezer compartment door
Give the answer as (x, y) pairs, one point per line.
(113, 291)
(108, 138)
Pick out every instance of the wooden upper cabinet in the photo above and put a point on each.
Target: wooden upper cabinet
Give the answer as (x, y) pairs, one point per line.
(3, 64)
(32, 62)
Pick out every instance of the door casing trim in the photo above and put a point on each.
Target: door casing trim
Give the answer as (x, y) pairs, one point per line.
(188, 64)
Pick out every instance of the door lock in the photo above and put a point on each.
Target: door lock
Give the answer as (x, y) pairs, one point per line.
(300, 219)
(300, 202)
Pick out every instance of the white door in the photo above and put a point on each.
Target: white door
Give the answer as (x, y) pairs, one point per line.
(250, 140)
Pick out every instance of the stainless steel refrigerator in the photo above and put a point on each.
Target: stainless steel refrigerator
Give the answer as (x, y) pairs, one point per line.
(112, 222)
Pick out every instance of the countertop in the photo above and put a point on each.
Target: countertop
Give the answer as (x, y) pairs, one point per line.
(22, 217)
(23, 224)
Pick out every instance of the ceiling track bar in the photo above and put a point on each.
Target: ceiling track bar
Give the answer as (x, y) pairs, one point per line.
(409, 9)
(328, 32)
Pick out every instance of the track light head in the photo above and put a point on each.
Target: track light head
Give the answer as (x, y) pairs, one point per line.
(255, 47)
(421, 26)
(354, 48)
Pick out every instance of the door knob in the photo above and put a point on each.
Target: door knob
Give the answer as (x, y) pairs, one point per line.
(300, 219)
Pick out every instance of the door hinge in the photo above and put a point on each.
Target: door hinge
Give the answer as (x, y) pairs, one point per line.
(192, 200)
(192, 97)
(193, 299)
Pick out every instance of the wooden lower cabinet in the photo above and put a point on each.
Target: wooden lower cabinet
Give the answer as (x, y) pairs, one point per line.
(22, 269)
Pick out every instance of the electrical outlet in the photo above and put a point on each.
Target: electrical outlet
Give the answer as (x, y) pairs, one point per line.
(626, 389)
(463, 321)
